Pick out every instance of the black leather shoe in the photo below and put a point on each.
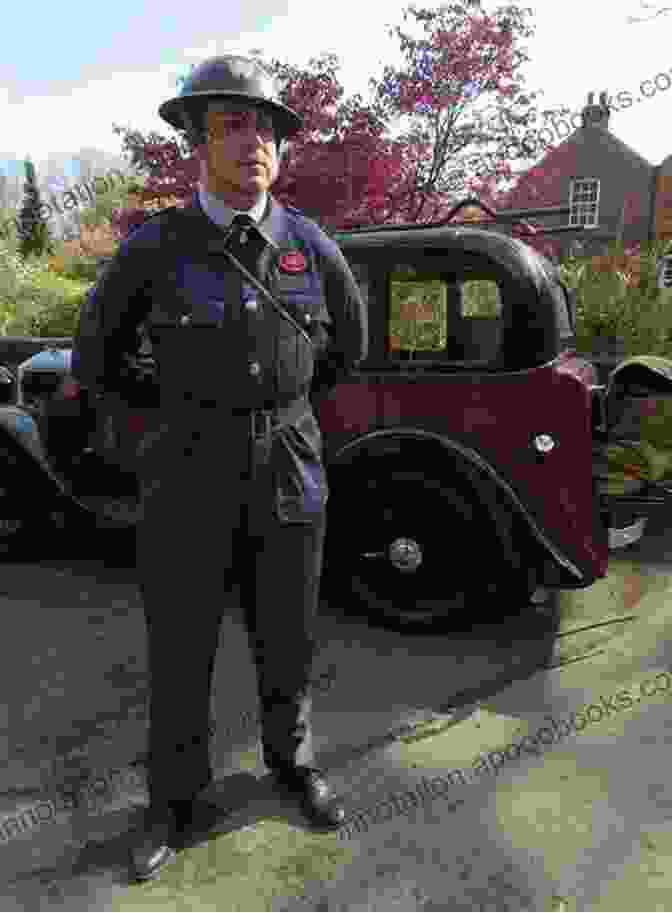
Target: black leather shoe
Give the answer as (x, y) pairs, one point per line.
(154, 847)
(310, 786)
(193, 818)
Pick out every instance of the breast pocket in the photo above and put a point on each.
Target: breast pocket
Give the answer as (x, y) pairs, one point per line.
(296, 355)
(301, 489)
(208, 294)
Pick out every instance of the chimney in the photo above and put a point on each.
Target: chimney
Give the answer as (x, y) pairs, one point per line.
(596, 115)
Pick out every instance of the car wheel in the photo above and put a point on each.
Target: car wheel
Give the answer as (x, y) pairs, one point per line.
(420, 552)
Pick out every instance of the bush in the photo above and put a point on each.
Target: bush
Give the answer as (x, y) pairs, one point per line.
(79, 267)
(622, 302)
(34, 301)
(17, 300)
(59, 301)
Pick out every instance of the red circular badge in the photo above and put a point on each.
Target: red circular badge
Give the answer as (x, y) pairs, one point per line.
(292, 262)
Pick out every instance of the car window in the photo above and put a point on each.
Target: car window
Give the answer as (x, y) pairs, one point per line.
(481, 298)
(459, 308)
(436, 315)
(417, 312)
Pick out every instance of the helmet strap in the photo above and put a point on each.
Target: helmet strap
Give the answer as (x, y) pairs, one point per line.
(281, 145)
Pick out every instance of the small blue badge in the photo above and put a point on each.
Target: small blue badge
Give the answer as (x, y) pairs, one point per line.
(24, 423)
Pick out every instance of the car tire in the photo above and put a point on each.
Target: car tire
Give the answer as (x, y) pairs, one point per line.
(392, 560)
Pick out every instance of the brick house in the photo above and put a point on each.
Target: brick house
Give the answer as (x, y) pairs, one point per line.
(612, 190)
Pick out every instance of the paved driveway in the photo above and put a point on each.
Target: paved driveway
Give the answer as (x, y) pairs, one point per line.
(469, 784)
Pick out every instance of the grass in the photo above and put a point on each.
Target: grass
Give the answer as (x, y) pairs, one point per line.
(250, 869)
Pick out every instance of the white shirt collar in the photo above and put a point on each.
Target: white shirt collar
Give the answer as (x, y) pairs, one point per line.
(222, 215)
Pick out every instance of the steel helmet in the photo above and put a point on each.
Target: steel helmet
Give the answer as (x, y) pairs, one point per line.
(228, 77)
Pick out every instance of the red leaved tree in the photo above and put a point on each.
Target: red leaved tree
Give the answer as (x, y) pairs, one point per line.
(346, 168)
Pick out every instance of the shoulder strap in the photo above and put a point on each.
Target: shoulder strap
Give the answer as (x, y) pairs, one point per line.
(220, 247)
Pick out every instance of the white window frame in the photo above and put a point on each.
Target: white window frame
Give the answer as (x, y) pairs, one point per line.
(664, 272)
(584, 211)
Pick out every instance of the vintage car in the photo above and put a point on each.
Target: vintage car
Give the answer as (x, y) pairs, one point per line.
(465, 456)
(52, 445)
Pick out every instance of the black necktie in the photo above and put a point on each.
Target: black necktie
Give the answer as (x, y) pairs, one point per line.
(242, 225)
(246, 242)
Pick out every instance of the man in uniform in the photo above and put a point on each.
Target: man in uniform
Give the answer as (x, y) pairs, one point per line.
(232, 482)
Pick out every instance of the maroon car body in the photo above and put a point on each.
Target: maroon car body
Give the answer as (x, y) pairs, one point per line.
(462, 456)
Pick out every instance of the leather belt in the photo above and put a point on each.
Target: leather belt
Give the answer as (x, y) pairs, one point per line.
(269, 415)
(263, 424)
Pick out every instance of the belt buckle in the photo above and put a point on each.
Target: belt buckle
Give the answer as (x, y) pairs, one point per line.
(261, 424)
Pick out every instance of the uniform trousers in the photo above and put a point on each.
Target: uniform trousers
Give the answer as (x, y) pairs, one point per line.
(185, 579)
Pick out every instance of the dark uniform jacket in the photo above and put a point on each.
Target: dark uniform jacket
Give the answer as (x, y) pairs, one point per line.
(220, 350)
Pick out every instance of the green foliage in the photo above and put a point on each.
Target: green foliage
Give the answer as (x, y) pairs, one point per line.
(136, 184)
(33, 301)
(34, 236)
(116, 197)
(59, 303)
(81, 268)
(8, 230)
(656, 427)
(613, 304)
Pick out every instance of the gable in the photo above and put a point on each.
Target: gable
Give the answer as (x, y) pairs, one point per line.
(587, 152)
(662, 217)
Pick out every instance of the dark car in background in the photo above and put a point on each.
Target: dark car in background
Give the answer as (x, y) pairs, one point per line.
(465, 456)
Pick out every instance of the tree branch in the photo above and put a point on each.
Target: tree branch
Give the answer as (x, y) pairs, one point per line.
(631, 20)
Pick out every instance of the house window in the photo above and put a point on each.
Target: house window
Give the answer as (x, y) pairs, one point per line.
(664, 272)
(584, 198)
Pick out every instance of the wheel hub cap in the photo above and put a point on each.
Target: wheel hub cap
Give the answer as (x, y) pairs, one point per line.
(405, 554)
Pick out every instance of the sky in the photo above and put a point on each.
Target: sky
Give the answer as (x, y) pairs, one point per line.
(86, 71)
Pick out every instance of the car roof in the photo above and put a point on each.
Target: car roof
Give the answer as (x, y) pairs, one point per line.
(518, 259)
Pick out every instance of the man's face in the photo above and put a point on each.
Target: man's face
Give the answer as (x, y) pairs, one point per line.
(240, 156)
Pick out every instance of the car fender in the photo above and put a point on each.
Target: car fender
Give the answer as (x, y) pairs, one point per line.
(476, 468)
(21, 428)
